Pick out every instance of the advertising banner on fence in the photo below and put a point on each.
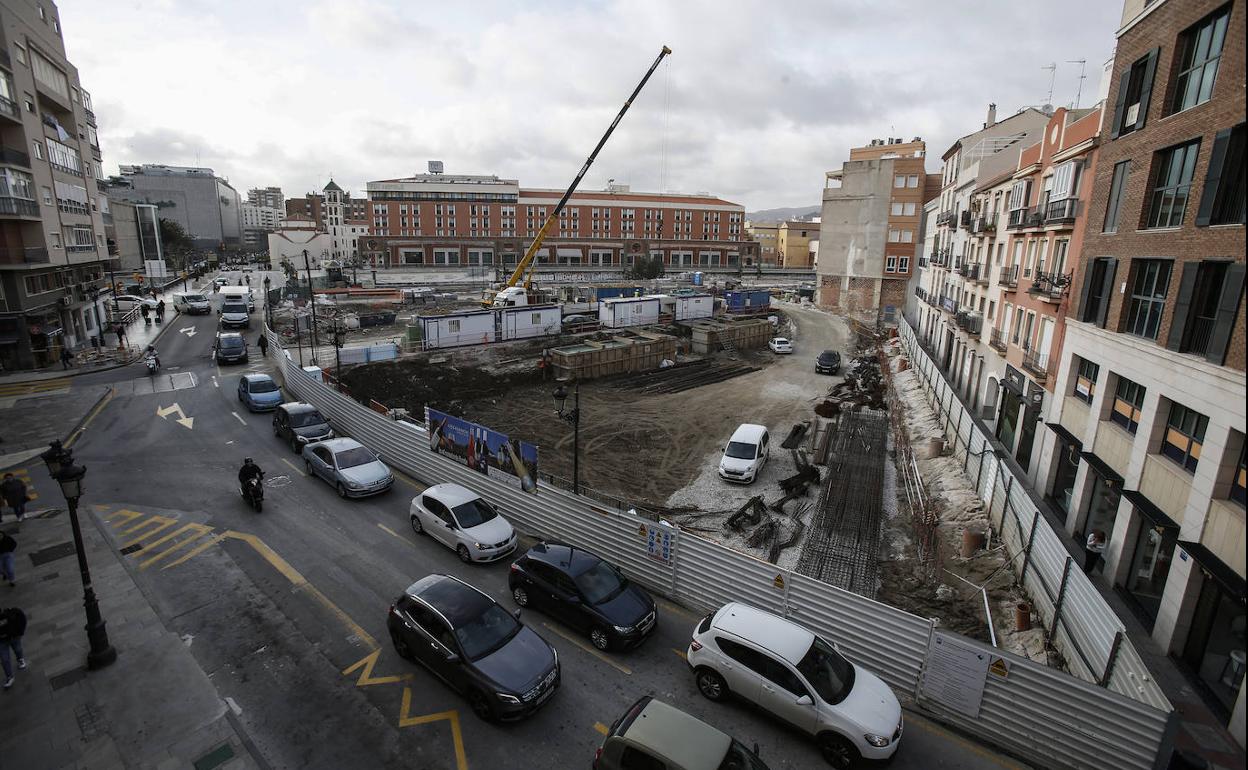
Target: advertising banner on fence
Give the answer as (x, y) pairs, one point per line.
(482, 449)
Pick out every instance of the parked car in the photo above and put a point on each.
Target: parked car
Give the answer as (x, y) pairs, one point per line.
(298, 424)
(220, 280)
(229, 348)
(463, 521)
(780, 345)
(745, 454)
(234, 314)
(259, 393)
(587, 593)
(578, 320)
(466, 639)
(828, 362)
(351, 468)
(790, 672)
(127, 302)
(654, 734)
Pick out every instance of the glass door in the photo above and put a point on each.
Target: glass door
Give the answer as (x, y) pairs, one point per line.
(1215, 645)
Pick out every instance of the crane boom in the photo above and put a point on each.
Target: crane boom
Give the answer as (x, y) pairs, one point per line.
(526, 264)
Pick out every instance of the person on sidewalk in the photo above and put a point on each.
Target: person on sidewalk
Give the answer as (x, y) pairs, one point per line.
(66, 357)
(147, 315)
(263, 342)
(1093, 549)
(13, 490)
(8, 546)
(12, 626)
(160, 308)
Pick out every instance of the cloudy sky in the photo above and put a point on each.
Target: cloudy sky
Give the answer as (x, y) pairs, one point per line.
(757, 101)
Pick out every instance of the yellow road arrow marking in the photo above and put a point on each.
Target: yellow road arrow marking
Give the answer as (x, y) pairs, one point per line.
(406, 720)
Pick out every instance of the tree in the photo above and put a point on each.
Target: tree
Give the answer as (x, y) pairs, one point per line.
(645, 268)
(176, 242)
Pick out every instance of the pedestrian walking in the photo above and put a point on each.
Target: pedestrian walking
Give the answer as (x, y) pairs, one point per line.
(13, 490)
(95, 341)
(66, 357)
(147, 315)
(7, 564)
(160, 308)
(263, 342)
(12, 627)
(1093, 549)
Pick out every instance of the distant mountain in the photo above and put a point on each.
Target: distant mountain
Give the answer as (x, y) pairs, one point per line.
(780, 215)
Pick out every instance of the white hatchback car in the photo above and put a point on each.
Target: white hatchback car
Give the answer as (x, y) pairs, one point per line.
(463, 521)
(785, 669)
(780, 345)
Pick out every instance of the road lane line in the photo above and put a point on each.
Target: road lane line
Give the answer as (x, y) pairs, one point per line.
(591, 650)
(292, 465)
(69, 442)
(366, 677)
(683, 655)
(406, 720)
(191, 554)
(386, 529)
(200, 528)
(240, 419)
(215, 384)
(164, 521)
(600, 727)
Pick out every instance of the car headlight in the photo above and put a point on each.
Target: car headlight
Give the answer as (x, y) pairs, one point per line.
(477, 545)
(353, 485)
(623, 629)
(505, 698)
(878, 741)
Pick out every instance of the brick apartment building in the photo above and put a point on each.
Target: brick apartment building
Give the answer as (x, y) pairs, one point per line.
(766, 234)
(1147, 439)
(440, 220)
(312, 206)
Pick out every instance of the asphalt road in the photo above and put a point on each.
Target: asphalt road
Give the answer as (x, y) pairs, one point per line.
(286, 609)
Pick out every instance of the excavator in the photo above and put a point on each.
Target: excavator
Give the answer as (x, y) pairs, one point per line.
(513, 294)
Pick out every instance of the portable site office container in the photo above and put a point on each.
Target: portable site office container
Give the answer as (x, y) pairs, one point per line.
(743, 300)
(628, 311)
(474, 327)
(517, 323)
(694, 306)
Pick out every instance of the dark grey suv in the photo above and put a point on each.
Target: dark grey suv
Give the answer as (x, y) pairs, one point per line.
(503, 668)
(299, 424)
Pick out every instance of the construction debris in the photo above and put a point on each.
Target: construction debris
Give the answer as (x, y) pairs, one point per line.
(752, 511)
(683, 376)
(794, 439)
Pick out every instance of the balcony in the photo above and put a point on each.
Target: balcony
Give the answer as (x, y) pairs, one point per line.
(944, 218)
(970, 270)
(921, 293)
(1022, 218)
(9, 109)
(1198, 333)
(23, 256)
(18, 207)
(964, 220)
(983, 225)
(997, 340)
(12, 157)
(1051, 287)
(1009, 277)
(948, 304)
(90, 116)
(1037, 364)
(972, 323)
(1062, 212)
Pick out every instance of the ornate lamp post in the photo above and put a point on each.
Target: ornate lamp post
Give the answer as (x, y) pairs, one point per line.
(573, 416)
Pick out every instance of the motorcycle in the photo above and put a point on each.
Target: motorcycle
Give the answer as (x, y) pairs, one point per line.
(253, 492)
(152, 365)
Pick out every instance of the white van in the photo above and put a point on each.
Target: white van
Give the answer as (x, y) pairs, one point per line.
(191, 303)
(745, 454)
(241, 293)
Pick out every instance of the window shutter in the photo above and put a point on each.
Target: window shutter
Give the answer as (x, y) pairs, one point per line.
(1150, 69)
(1086, 293)
(1121, 104)
(1228, 304)
(1213, 177)
(1187, 286)
(1107, 289)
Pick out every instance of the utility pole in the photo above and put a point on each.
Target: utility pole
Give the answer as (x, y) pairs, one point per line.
(311, 295)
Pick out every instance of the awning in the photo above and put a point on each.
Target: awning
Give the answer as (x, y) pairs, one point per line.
(1150, 510)
(1232, 582)
(1064, 434)
(1102, 468)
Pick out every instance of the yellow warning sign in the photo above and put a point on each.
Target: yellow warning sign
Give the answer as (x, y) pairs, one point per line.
(999, 667)
(641, 531)
(779, 581)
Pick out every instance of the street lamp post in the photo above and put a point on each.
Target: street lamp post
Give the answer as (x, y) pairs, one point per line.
(60, 464)
(573, 416)
(338, 355)
(268, 305)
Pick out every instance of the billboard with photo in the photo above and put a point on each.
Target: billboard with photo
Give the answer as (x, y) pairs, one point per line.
(484, 450)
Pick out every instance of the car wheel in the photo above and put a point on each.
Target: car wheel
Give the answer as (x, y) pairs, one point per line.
(838, 751)
(520, 595)
(277, 431)
(464, 555)
(294, 445)
(600, 638)
(480, 705)
(307, 465)
(417, 527)
(401, 647)
(711, 685)
(342, 491)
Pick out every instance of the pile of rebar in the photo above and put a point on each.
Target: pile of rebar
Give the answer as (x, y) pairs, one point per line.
(675, 379)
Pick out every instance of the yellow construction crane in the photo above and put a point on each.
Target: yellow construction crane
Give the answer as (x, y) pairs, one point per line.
(512, 294)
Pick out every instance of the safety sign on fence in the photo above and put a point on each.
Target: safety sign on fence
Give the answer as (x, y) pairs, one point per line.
(658, 542)
(954, 674)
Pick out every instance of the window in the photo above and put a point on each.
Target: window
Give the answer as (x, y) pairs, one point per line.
(1097, 285)
(49, 75)
(907, 236)
(64, 157)
(1222, 202)
(47, 196)
(633, 758)
(899, 180)
(1205, 309)
(1148, 297)
(37, 146)
(1240, 478)
(1135, 87)
(1185, 434)
(1063, 181)
(452, 326)
(1174, 168)
(1085, 380)
(21, 53)
(1018, 195)
(903, 264)
(1199, 49)
(894, 236)
(1128, 402)
(1117, 189)
(912, 181)
(890, 264)
(898, 207)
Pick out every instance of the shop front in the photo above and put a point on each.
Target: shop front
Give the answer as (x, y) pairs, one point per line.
(1101, 511)
(1067, 462)
(1215, 647)
(1155, 536)
(1012, 386)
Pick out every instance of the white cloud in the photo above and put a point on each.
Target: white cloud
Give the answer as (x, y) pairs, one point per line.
(756, 102)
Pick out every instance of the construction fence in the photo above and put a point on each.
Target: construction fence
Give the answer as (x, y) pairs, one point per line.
(1018, 705)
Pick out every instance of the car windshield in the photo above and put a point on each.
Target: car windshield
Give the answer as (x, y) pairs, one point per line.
(600, 583)
(487, 632)
(350, 458)
(828, 355)
(827, 671)
(740, 450)
(474, 512)
(230, 342)
(194, 298)
(781, 341)
(234, 307)
(304, 419)
(741, 758)
(263, 386)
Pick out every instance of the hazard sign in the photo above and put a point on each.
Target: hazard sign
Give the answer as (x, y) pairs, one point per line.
(779, 581)
(999, 667)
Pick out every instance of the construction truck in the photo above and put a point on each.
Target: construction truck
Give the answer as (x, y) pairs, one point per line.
(513, 294)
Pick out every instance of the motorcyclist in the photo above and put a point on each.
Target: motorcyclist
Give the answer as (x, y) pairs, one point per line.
(249, 471)
(151, 353)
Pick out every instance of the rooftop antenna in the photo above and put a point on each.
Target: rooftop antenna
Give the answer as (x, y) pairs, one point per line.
(1083, 66)
(1052, 68)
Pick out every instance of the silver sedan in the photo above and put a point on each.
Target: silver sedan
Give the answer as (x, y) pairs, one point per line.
(351, 468)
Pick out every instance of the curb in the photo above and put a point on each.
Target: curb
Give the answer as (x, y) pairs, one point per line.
(75, 431)
(97, 370)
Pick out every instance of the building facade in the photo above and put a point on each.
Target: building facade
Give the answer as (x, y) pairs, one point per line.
(793, 243)
(1147, 436)
(312, 206)
(53, 253)
(438, 220)
(267, 197)
(204, 204)
(767, 235)
(345, 230)
(869, 226)
(258, 222)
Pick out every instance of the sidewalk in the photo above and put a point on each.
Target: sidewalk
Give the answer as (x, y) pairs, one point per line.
(153, 708)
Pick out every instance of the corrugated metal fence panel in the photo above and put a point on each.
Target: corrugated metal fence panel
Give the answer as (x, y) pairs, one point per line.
(890, 642)
(710, 575)
(1064, 723)
(1132, 678)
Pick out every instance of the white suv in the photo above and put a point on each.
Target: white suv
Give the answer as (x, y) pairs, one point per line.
(785, 669)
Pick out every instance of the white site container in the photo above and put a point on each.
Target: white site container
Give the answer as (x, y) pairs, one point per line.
(619, 312)
(517, 323)
(474, 327)
(694, 306)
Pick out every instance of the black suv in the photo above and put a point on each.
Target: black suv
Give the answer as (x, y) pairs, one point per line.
(828, 362)
(230, 348)
(474, 645)
(585, 592)
(299, 424)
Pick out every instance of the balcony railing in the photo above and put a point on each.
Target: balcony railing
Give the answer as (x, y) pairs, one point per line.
(1061, 212)
(1020, 218)
(969, 322)
(14, 157)
(8, 107)
(1009, 276)
(964, 219)
(921, 293)
(18, 207)
(1037, 364)
(948, 304)
(90, 116)
(1199, 331)
(79, 247)
(970, 271)
(986, 224)
(944, 218)
(23, 256)
(998, 340)
(1050, 285)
